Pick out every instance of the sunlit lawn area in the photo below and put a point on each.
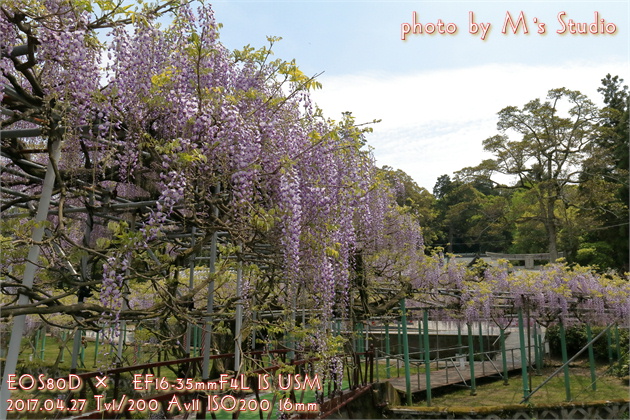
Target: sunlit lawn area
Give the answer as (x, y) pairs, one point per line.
(496, 393)
(90, 357)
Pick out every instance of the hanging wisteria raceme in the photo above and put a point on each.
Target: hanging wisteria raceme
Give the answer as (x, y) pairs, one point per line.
(556, 292)
(218, 141)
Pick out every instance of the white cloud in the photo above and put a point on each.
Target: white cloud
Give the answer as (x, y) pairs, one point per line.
(434, 122)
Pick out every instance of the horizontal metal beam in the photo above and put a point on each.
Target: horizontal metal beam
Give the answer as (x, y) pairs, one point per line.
(26, 132)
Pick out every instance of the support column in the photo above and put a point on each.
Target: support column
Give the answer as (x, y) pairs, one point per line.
(190, 339)
(207, 342)
(483, 356)
(617, 343)
(399, 349)
(503, 355)
(563, 345)
(387, 351)
(82, 355)
(239, 319)
(43, 342)
(609, 344)
(403, 321)
(96, 348)
(63, 347)
(420, 340)
(591, 357)
(471, 361)
(30, 269)
(460, 346)
(427, 357)
(524, 361)
(539, 348)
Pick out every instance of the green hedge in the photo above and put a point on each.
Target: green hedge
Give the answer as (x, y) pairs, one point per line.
(576, 340)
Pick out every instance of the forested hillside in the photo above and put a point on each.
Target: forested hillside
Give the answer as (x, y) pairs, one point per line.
(557, 182)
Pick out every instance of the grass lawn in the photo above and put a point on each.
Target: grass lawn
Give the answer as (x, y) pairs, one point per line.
(496, 393)
(91, 357)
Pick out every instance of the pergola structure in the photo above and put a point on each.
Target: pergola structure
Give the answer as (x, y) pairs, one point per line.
(117, 189)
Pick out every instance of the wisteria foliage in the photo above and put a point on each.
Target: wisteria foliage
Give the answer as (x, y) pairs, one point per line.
(166, 134)
(208, 139)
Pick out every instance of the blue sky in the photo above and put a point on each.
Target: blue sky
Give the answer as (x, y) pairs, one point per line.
(437, 95)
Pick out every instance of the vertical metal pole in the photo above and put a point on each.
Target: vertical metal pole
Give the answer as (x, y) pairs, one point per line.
(471, 361)
(82, 333)
(239, 318)
(563, 345)
(535, 364)
(122, 333)
(121, 340)
(399, 337)
(191, 284)
(30, 269)
(207, 342)
(427, 356)
(521, 336)
(76, 350)
(403, 321)
(43, 342)
(85, 276)
(539, 347)
(399, 348)
(591, 357)
(378, 365)
(420, 339)
(254, 316)
(96, 348)
(529, 345)
(609, 343)
(503, 355)
(437, 344)
(63, 346)
(483, 356)
(617, 343)
(366, 340)
(193, 340)
(290, 343)
(37, 334)
(460, 349)
(387, 351)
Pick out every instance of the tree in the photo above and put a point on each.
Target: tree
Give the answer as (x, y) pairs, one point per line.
(604, 183)
(555, 136)
(174, 148)
(417, 201)
(472, 215)
(442, 186)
